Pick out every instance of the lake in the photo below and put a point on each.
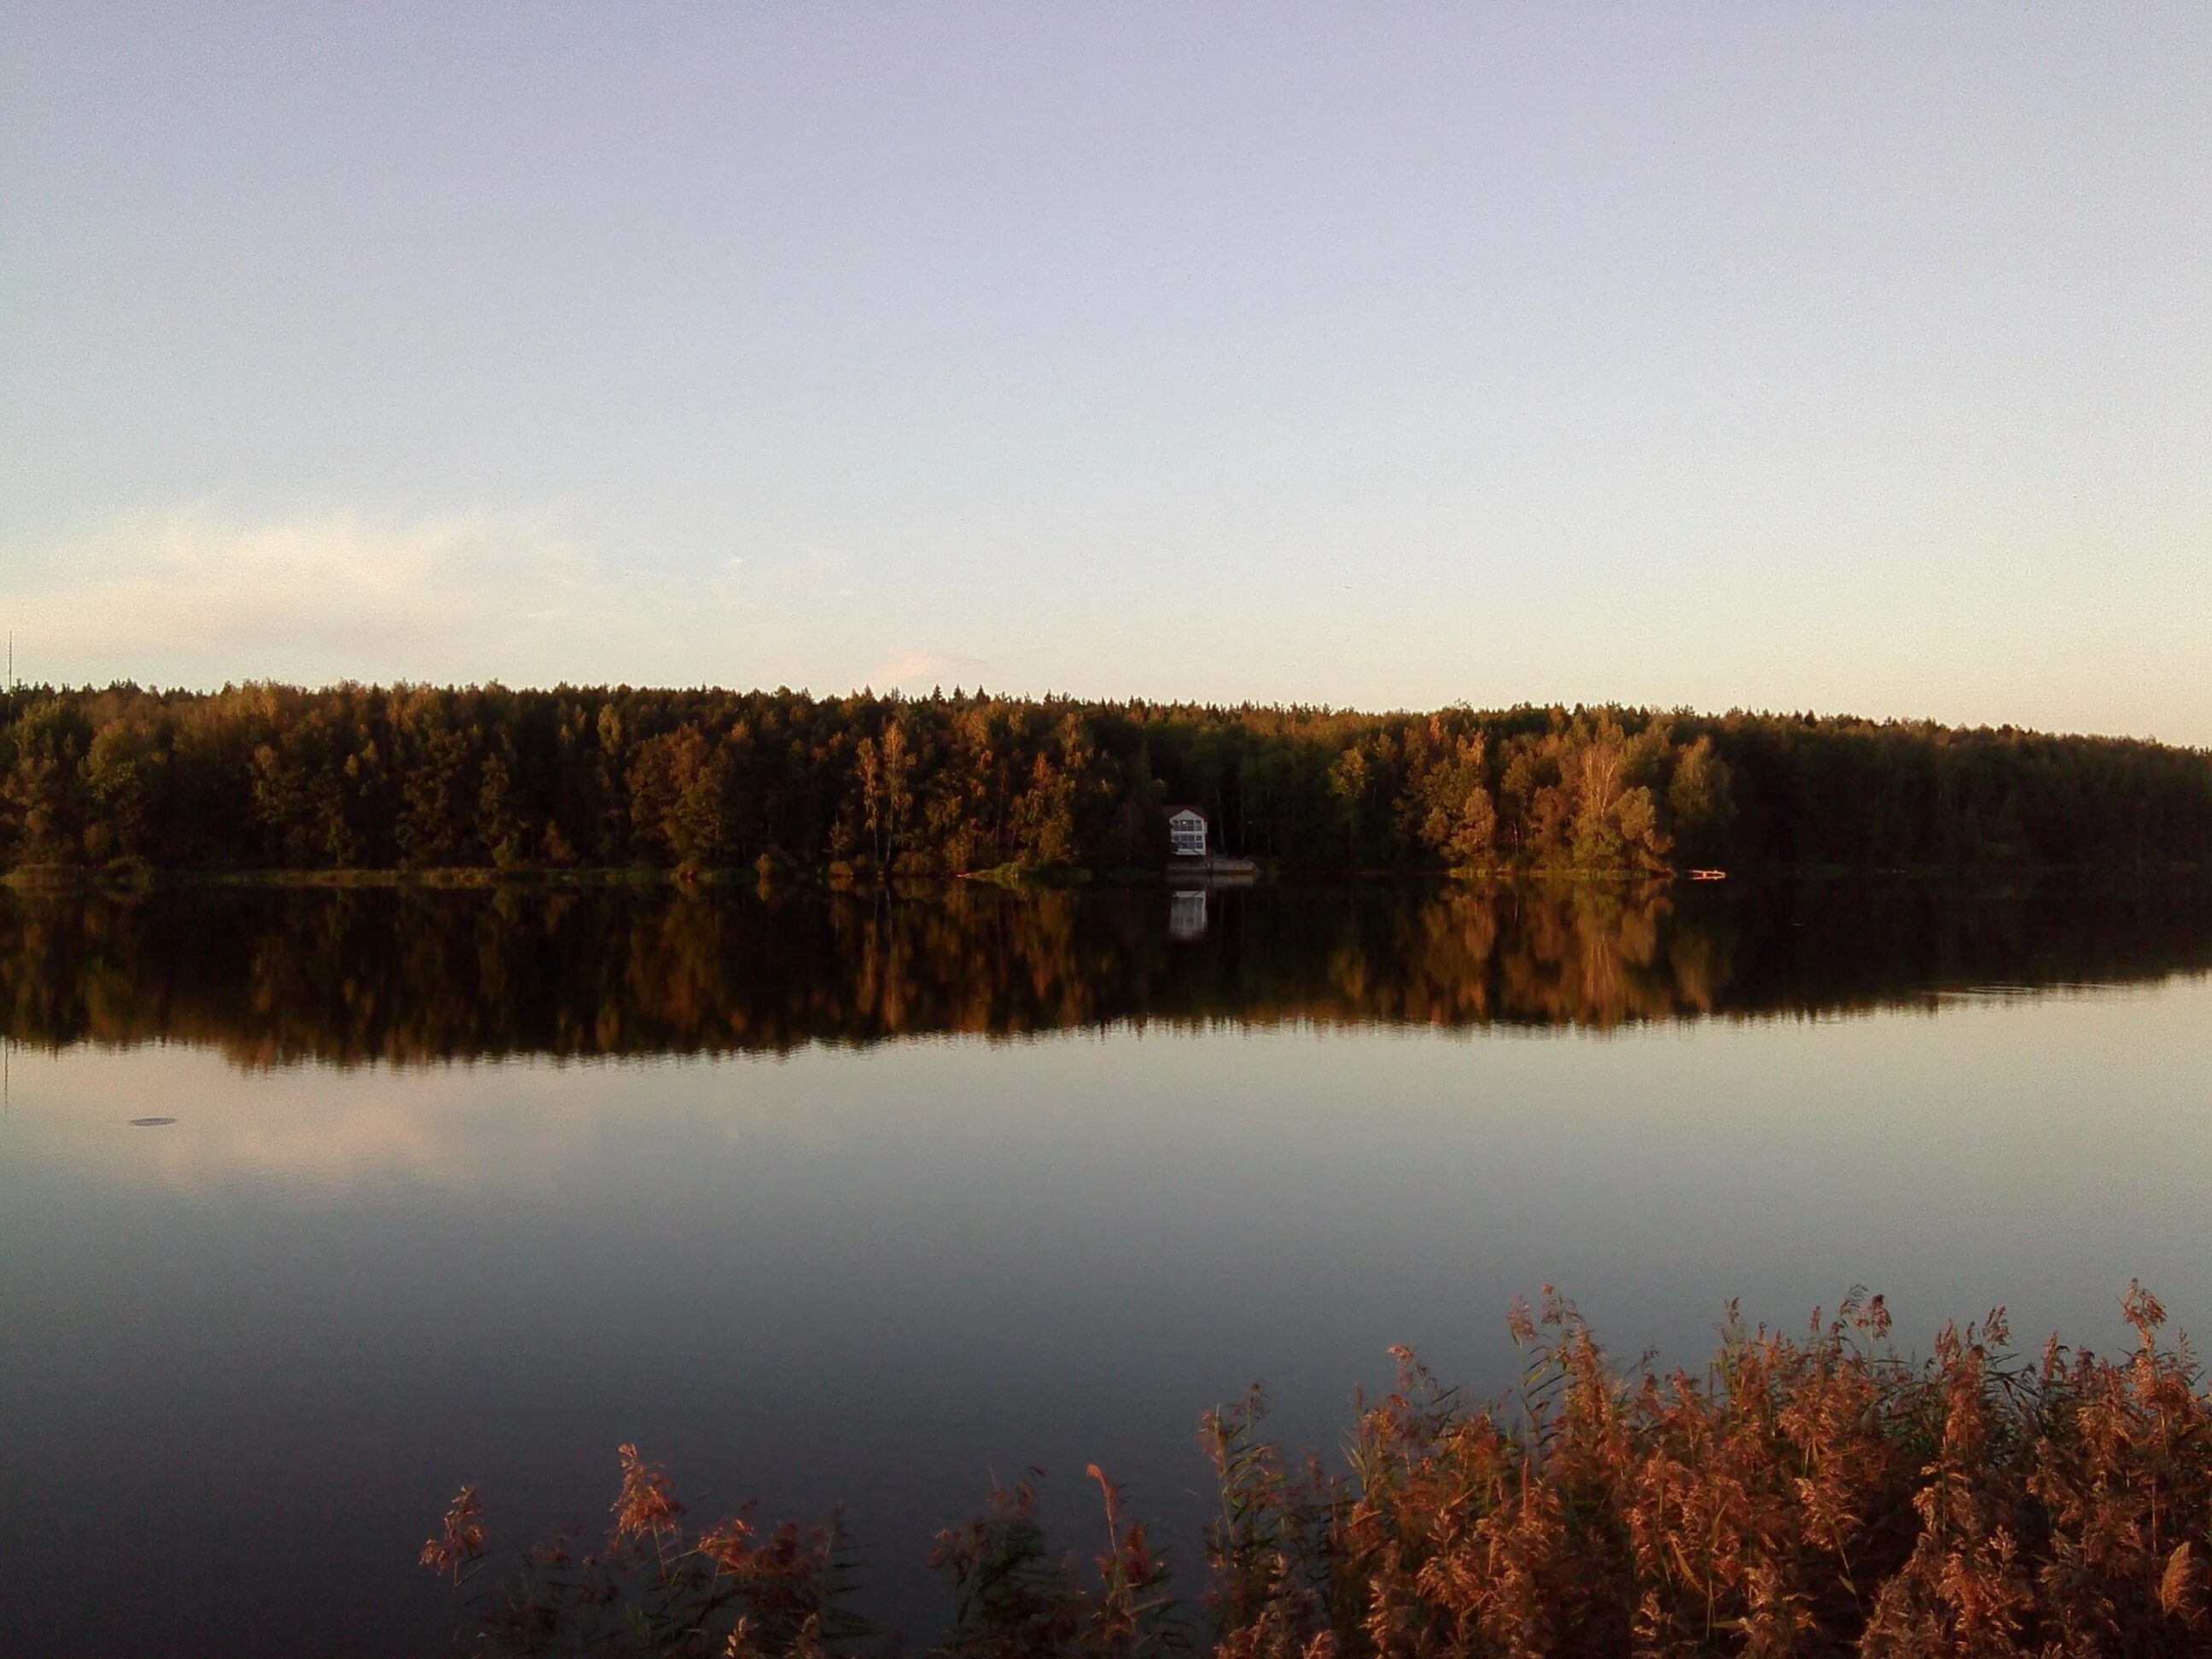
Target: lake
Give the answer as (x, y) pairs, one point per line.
(314, 1204)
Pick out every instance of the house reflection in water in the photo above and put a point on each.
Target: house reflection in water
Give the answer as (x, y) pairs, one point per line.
(1187, 915)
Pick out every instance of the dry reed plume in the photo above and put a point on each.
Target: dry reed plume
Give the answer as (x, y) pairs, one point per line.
(1806, 1495)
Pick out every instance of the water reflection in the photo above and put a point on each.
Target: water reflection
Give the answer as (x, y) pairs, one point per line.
(275, 976)
(1186, 916)
(265, 1339)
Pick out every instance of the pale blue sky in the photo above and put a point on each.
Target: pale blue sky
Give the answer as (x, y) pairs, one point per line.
(1858, 358)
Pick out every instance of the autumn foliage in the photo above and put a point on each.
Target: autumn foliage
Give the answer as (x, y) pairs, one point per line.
(423, 778)
(1811, 1495)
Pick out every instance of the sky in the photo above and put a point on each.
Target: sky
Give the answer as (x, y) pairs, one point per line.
(1852, 358)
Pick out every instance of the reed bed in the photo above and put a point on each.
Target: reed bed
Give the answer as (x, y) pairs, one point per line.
(1805, 1495)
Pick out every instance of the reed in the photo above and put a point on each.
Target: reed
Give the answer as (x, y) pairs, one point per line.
(1814, 1494)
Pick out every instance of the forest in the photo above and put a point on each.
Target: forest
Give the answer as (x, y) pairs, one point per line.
(354, 777)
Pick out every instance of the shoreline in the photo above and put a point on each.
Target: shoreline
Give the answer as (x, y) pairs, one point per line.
(1244, 873)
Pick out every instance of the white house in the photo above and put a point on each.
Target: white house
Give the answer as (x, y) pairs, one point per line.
(1186, 832)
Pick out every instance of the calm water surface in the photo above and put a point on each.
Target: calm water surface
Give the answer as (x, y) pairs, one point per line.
(868, 1198)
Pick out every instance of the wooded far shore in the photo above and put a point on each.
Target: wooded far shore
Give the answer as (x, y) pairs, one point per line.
(356, 778)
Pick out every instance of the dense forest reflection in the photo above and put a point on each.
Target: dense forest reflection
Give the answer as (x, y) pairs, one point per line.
(273, 975)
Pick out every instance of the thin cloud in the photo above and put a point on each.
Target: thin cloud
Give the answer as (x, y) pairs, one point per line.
(911, 669)
(810, 572)
(199, 595)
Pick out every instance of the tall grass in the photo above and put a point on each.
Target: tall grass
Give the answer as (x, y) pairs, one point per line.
(1808, 1495)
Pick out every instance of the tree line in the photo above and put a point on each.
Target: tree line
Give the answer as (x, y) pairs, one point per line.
(356, 777)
